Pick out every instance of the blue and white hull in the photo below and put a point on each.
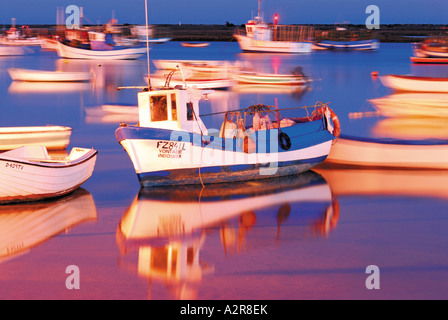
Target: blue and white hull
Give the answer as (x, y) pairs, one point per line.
(170, 157)
(347, 45)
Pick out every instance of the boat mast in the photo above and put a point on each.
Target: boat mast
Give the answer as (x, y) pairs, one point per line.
(147, 44)
(260, 17)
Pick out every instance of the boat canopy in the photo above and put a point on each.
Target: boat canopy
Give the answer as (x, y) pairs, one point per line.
(172, 109)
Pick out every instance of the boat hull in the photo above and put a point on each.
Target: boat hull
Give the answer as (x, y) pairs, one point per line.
(31, 180)
(48, 76)
(390, 153)
(347, 45)
(249, 44)
(68, 52)
(51, 137)
(415, 84)
(160, 158)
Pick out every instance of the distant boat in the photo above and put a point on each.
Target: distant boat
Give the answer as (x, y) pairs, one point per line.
(195, 44)
(18, 74)
(51, 137)
(433, 47)
(390, 153)
(371, 44)
(29, 173)
(270, 78)
(415, 83)
(262, 37)
(159, 79)
(116, 53)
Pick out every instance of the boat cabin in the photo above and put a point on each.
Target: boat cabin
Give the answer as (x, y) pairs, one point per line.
(171, 109)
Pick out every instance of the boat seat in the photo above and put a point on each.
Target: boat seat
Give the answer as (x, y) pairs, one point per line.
(29, 152)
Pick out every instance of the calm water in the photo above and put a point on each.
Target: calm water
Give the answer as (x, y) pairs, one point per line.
(307, 237)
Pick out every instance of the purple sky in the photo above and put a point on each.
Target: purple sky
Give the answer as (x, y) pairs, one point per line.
(233, 11)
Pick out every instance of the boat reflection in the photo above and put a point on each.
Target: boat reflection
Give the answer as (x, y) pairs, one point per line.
(413, 128)
(164, 229)
(412, 105)
(24, 226)
(20, 87)
(377, 182)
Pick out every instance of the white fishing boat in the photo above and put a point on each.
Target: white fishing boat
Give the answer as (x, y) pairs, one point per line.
(259, 36)
(19, 74)
(26, 225)
(421, 104)
(172, 146)
(14, 37)
(390, 153)
(115, 53)
(415, 83)
(28, 173)
(51, 137)
(11, 51)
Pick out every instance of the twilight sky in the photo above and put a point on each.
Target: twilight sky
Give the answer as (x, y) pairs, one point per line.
(233, 11)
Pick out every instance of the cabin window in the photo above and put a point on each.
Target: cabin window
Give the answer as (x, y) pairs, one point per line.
(173, 107)
(159, 108)
(190, 111)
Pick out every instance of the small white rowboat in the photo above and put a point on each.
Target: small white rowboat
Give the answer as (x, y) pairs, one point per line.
(29, 173)
(415, 83)
(51, 76)
(51, 137)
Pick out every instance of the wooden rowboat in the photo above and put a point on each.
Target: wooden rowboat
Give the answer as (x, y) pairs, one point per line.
(390, 153)
(415, 83)
(195, 44)
(29, 173)
(48, 76)
(125, 53)
(51, 137)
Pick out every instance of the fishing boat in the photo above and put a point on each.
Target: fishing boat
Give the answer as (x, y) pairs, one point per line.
(15, 38)
(172, 146)
(343, 39)
(415, 83)
(20, 74)
(29, 174)
(420, 104)
(51, 137)
(24, 226)
(390, 153)
(260, 36)
(429, 60)
(433, 47)
(114, 53)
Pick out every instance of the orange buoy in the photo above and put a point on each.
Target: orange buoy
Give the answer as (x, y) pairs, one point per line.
(374, 74)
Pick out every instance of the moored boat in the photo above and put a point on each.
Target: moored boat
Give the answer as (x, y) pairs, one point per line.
(29, 174)
(51, 137)
(270, 78)
(195, 44)
(114, 53)
(390, 153)
(19, 74)
(260, 36)
(371, 44)
(172, 146)
(415, 83)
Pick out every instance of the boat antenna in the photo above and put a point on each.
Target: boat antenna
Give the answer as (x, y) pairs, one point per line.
(147, 45)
